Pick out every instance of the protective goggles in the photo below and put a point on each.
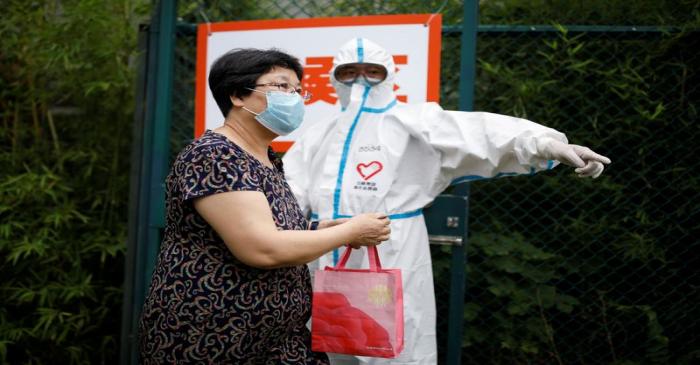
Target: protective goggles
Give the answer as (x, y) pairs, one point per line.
(349, 73)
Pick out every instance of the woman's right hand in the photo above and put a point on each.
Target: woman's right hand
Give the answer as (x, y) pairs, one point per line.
(369, 229)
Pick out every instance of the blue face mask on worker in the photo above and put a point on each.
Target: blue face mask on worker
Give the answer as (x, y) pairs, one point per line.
(284, 112)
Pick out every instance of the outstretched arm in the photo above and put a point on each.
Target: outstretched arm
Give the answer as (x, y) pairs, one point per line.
(469, 146)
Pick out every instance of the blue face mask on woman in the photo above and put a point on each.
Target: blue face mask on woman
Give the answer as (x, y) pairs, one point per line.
(284, 112)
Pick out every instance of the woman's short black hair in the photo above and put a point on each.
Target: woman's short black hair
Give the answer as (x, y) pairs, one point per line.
(239, 69)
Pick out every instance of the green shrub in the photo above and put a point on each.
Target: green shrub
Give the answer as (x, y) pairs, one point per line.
(66, 98)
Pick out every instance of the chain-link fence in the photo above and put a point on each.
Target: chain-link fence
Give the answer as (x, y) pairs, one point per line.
(578, 271)
(561, 270)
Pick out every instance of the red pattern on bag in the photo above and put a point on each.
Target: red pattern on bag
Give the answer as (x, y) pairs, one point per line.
(339, 326)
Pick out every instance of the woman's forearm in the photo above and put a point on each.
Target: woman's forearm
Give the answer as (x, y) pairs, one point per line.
(244, 222)
(291, 248)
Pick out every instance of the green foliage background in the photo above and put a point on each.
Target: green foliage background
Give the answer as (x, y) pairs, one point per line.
(66, 98)
(560, 270)
(563, 270)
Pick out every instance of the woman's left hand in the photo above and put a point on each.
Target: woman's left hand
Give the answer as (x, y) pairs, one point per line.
(334, 222)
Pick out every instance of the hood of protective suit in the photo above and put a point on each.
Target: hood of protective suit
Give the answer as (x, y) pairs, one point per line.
(362, 50)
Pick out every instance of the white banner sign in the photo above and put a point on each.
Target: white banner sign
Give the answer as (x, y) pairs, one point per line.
(413, 41)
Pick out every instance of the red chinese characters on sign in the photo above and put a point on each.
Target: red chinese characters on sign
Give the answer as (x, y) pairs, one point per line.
(400, 60)
(317, 79)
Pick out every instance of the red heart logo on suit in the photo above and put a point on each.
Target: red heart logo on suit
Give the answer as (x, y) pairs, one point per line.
(369, 169)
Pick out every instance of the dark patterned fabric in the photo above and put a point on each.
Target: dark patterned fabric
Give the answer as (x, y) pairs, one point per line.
(205, 306)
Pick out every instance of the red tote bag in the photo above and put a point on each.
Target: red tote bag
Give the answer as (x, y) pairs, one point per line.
(358, 311)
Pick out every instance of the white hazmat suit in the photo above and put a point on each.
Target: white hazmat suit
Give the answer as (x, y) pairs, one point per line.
(380, 155)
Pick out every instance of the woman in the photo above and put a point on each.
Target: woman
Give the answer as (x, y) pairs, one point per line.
(231, 285)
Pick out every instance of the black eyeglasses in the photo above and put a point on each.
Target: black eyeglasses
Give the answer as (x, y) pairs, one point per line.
(286, 87)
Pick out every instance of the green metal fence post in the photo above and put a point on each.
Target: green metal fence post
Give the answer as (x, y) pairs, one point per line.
(140, 196)
(467, 67)
(139, 133)
(466, 103)
(161, 136)
(151, 158)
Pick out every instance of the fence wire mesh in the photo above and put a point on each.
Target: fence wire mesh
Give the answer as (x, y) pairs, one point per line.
(589, 271)
(561, 270)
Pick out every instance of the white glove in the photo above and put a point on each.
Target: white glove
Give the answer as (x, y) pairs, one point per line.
(587, 162)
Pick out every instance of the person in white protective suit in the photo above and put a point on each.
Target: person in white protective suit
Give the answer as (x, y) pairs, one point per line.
(380, 155)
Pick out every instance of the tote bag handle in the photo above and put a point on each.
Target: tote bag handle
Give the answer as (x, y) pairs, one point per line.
(374, 264)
